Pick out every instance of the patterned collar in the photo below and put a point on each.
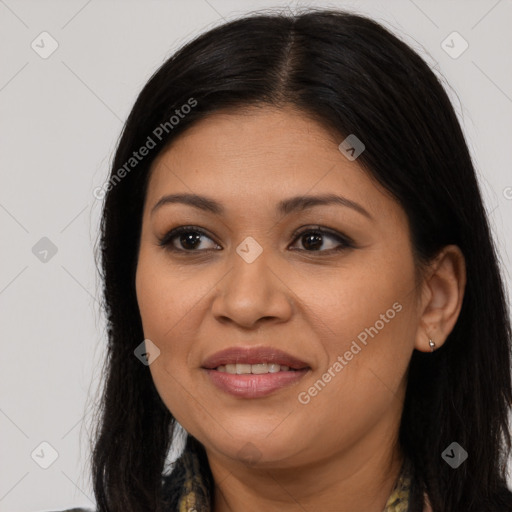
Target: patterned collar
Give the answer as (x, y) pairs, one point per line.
(193, 497)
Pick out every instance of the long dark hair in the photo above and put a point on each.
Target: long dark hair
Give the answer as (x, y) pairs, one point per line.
(355, 77)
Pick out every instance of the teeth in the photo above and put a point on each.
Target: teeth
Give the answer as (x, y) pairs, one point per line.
(259, 368)
(243, 368)
(255, 369)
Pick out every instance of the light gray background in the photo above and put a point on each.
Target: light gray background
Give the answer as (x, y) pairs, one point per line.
(60, 120)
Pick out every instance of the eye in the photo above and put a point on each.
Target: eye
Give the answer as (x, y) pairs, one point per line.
(313, 239)
(189, 238)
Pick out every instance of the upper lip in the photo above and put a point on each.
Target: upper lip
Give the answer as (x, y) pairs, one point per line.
(253, 355)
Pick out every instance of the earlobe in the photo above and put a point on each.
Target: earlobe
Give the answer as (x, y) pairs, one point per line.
(443, 292)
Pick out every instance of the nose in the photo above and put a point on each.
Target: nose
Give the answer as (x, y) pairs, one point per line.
(251, 293)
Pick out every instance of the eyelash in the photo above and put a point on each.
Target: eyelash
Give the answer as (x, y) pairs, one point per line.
(346, 242)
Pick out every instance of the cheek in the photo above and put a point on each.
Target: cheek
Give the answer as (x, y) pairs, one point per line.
(365, 316)
(171, 308)
(355, 303)
(368, 348)
(166, 297)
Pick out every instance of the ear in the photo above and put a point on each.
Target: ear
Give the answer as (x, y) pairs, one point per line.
(441, 298)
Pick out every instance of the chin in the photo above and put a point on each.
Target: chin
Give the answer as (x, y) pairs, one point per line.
(258, 451)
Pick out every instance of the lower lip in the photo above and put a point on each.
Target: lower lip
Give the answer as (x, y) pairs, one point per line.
(254, 386)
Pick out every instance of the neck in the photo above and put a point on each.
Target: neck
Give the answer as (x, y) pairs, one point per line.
(361, 478)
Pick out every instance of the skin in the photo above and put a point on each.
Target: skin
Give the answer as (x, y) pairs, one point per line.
(337, 452)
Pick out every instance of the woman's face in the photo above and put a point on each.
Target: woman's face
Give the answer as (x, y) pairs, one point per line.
(349, 317)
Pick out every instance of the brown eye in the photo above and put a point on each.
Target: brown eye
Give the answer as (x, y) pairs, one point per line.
(187, 237)
(314, 239)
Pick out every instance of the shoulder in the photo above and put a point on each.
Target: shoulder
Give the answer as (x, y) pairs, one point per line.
(74, 510)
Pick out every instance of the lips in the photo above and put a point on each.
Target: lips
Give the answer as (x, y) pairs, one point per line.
(253, 355)
(253, 372)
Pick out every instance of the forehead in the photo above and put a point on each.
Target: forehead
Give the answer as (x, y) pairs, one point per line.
(254, 134)
(261, 155)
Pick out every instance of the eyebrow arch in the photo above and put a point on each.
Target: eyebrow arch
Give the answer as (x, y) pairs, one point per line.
(284, 207)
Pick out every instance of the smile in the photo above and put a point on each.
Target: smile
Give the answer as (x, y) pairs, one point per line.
(255, 369)
(253, 372)
(249, 384)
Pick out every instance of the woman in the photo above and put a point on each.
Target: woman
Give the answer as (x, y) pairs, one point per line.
(298, 269)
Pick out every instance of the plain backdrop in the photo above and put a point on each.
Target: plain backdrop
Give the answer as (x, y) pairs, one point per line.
(61, 115)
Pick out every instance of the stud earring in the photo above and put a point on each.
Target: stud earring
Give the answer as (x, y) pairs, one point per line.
(432, 345)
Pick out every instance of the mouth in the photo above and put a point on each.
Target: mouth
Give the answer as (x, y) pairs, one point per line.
(253, 360)
(253, 372)
(254, 369)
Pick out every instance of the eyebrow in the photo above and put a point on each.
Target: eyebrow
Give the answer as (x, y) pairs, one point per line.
(284, 207)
